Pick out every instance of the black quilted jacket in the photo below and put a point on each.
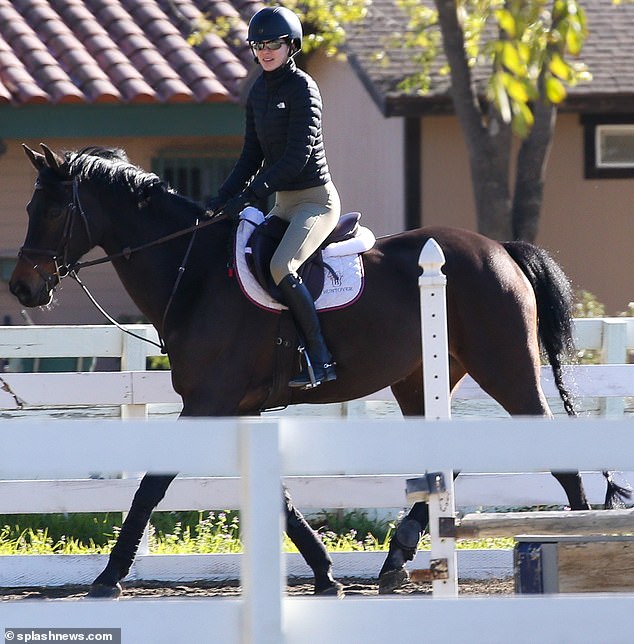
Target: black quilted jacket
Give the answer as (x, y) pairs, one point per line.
(283, 144)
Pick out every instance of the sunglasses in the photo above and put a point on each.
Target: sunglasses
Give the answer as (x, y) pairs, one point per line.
(273, 45)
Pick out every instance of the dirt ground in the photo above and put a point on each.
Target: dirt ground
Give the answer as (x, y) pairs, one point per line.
(353, 587)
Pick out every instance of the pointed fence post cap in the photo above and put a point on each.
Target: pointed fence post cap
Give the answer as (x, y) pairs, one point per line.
(431, 259)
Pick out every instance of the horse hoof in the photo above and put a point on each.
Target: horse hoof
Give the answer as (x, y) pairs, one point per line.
(391, 580)
(101, 591)
(333, 590)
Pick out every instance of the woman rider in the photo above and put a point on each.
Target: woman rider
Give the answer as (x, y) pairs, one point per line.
(283, 153)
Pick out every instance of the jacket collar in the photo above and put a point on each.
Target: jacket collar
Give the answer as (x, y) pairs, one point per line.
(277, 75)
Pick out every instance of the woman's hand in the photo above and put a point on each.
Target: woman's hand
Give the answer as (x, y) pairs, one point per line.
(214, 205)
(236, 205)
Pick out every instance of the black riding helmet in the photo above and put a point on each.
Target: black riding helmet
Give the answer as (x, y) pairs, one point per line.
(271, 23)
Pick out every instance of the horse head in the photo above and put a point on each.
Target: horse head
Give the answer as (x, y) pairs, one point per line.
(58, 232)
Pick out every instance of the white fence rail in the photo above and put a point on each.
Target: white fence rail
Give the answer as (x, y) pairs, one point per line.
(262, 451)
(72, 389)
(611, 337)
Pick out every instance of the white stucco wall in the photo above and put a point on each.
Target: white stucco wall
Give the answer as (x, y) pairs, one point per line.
(364, 149)
(447, 194)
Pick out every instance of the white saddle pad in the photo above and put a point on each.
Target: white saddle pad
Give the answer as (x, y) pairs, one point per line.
(343, 258)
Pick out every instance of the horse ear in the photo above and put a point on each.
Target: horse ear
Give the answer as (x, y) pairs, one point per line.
(53, 160)
(37, 160)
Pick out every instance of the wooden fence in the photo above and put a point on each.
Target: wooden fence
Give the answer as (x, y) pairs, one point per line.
(135, 389)
(260, 451)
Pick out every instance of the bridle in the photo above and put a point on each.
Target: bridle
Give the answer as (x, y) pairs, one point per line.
(65, 268)
(59, 256)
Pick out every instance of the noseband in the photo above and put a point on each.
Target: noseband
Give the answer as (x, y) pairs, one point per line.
(59, 256)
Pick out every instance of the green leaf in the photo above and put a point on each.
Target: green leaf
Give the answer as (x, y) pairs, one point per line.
(559, 67)
(523, 119)
(501, 98)
(511, 60)
(555, 90)
(516, 89)
(527, 114)
(506, 20)
(574, 41)
(520, 126)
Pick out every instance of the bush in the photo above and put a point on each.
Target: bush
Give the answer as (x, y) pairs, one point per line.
(587, 306)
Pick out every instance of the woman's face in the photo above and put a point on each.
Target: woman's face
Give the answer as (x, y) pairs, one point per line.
(269, 57)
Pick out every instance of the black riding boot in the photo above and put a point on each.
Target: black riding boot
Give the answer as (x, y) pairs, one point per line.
(302, 307)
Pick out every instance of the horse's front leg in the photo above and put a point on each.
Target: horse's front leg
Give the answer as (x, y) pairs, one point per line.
(151, 490)
(312, 549)
(299, 532)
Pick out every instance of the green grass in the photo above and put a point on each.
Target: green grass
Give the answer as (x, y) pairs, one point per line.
(189, 532)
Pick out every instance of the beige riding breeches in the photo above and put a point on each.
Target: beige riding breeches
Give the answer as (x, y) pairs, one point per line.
(312, 214)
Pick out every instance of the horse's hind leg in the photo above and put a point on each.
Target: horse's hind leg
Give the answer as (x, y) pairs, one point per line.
(522, 395)
(573, 487)
(312, 549)
(403, 545)
(151, 490)
(404, 541)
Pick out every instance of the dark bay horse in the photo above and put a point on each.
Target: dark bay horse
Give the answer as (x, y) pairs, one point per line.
(502, 300)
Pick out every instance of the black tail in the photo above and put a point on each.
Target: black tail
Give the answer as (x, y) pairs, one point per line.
(554, 308)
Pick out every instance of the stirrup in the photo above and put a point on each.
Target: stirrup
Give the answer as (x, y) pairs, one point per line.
(308, 379)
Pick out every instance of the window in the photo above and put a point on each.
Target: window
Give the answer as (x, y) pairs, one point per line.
(609, 146)
(614, 145)
(197, 176)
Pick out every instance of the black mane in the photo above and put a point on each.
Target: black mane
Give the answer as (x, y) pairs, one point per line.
(112, 166)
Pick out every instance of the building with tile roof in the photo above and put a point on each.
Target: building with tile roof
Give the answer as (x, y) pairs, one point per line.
(119, 73)
(608, 53)
(122, 73)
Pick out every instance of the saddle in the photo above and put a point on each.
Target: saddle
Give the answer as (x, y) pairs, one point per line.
(265, 239)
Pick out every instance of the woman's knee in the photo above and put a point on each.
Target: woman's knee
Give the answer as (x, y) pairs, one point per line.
(279, 270)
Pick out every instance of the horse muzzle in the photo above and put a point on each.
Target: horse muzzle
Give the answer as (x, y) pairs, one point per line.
(33, 286)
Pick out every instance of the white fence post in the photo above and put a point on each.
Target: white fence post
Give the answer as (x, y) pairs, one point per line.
(262, 570)
(435, 348)
(613, 351)
(133, 357)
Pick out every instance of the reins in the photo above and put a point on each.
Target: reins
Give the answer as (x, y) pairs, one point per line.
(65, 269)
(126, 252)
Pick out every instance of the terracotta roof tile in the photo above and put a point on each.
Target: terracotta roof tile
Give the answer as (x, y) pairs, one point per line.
(14, 77)
(131, 51)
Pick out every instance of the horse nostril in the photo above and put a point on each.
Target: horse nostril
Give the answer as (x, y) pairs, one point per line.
(21, 290)
(16, 288)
